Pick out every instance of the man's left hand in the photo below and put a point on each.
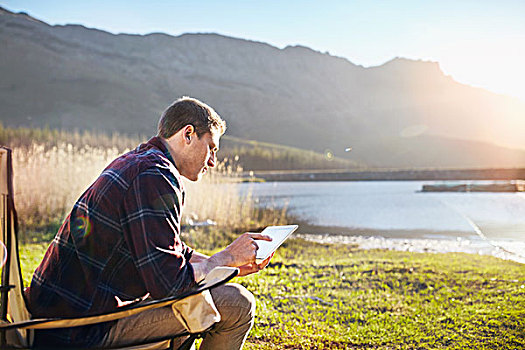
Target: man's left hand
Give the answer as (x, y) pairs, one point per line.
(250, 268)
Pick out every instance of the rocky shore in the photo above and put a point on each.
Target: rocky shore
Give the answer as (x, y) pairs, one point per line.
(508, 250)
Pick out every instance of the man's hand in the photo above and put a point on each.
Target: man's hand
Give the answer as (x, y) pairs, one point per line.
(248, 269)
(243, 250)
(240, 253)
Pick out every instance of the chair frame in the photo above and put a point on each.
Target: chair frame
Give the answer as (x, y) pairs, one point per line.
(12, 259)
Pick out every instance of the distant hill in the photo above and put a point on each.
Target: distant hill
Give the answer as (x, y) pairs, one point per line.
(235, 153)
(404, 113)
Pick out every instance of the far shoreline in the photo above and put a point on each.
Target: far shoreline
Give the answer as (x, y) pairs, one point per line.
(450, 174)
(414, 241)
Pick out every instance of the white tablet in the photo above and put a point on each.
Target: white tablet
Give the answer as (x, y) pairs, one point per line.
(279, 234)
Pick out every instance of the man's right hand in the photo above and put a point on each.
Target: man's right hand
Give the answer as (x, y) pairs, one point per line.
(243, 250)
(240, 252)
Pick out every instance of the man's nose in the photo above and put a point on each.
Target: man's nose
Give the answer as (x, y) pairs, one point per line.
(212, 160)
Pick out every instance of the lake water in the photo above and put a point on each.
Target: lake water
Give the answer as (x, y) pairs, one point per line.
(392, 213)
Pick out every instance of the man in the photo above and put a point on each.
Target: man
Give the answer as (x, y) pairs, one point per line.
(121, 242)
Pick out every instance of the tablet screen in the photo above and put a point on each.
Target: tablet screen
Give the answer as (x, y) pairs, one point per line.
(279, 234)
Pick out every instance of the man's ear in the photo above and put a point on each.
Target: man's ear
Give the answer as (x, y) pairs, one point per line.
(188, 133)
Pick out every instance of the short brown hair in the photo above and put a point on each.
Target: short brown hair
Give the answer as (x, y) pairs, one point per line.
(187, 110)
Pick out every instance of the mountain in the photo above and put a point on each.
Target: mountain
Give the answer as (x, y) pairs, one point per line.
(404, 113)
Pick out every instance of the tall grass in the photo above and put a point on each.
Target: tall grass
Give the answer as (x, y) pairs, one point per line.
(254, 155)
(49, 179)
(27, 137)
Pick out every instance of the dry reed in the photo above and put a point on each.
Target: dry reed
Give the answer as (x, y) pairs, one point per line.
(48, 180)
(218, 198)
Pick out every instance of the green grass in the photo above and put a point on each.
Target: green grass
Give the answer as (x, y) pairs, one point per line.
(317, 296)
(320, 296)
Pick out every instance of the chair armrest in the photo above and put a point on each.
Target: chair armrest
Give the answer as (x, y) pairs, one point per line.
(216, 277)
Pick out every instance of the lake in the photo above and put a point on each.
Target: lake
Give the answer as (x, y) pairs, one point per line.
(391, 212)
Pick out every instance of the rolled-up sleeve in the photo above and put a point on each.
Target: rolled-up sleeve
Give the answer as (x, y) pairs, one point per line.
(151, 227)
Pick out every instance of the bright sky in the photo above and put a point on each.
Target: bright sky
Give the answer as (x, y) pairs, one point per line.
(478, 42)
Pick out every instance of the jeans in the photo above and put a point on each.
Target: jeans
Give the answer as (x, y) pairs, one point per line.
(236, 306)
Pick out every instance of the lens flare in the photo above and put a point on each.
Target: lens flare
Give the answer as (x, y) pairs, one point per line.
(328, 154)
(413, 130)
(83, 226)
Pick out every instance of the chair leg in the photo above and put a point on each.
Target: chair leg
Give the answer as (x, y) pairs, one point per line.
(188, 343)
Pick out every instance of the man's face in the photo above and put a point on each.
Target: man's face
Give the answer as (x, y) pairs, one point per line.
(202, 154)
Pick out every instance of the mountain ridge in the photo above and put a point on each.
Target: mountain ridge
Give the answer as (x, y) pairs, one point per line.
(73, 77)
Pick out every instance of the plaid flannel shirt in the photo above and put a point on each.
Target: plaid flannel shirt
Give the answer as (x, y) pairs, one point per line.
(121, 239)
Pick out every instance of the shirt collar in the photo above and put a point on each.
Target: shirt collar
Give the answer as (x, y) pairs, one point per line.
(156, 141)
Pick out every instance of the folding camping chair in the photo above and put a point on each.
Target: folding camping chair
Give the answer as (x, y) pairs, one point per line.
(16, 325)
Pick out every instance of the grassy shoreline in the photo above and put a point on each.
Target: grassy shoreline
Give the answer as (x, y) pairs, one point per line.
(323, 296)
